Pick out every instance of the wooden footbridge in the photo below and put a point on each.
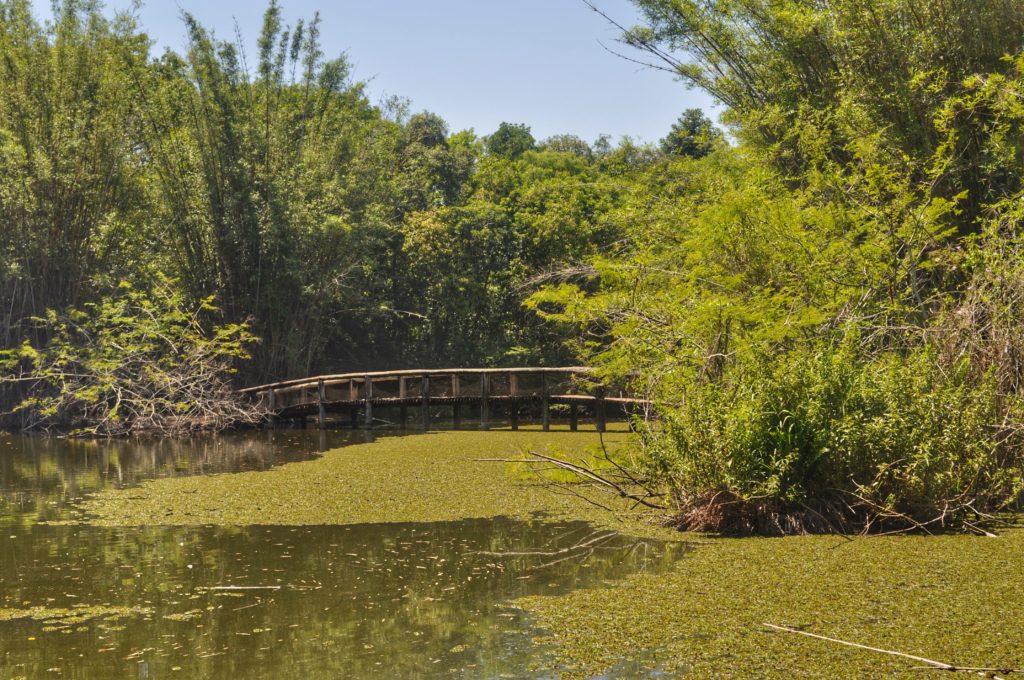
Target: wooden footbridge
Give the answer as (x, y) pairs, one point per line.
(486, 394)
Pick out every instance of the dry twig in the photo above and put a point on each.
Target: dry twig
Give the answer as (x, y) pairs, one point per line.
(932, 664)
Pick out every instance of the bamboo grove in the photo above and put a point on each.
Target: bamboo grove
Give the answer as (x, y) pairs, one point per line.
(346, 234)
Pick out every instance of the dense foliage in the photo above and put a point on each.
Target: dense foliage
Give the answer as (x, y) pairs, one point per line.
(827, 313)
(693, 135)
(824, 305)
(132, 362)
(347, 235)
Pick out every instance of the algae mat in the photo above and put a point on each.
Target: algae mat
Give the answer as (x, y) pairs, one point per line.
(416, 478)
(953, 598)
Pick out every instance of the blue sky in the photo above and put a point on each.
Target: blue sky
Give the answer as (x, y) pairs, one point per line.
(474, 62)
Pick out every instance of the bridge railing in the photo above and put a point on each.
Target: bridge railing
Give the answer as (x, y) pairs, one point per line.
(511, 388)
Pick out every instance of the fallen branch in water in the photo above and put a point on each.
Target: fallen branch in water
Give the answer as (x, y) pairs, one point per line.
(932, 664)
(589, 475)
(581, 550)
(594, 538)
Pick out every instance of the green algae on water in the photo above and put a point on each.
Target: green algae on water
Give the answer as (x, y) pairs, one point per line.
(70, 616)
(419, 478)
(951, 598)
(954, 598)
(190, 615)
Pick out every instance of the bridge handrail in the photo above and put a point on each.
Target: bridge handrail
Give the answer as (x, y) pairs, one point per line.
(341, 377)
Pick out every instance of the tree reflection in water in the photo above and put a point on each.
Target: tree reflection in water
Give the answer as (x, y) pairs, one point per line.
(360, 601)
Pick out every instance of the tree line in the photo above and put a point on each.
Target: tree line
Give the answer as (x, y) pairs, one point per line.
(346, 234)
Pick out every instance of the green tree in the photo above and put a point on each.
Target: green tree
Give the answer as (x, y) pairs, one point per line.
(693, 135)
(567, 144)
(510, 140)
(520, 219)
(270, 187)
(820, 85)
(72, 199)
(813, 311)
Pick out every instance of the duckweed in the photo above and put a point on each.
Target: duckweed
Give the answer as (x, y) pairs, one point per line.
(419, 478)
(956, 599)
(951, 598)
(190, 615)
(62, 617)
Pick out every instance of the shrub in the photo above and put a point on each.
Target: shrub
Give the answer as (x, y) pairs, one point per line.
(135, 362)
(833, 440)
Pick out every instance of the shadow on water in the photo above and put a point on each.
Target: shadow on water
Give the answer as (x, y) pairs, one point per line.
(362, 601)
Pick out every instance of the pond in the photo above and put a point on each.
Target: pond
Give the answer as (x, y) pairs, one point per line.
(417, 600)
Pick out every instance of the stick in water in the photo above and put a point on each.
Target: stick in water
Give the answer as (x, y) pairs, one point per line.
(937, 665)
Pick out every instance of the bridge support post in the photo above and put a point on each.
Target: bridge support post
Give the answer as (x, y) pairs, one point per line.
(484, 410)
(321, 398)
(599, 414)
(403, 409)
(368, 400)
(272, 407)
(456, 407)
(545, 402)
(574, 413)
(426, 403)
(513, 403)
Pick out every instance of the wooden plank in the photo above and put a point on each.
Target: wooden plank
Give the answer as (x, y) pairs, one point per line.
(287, 385)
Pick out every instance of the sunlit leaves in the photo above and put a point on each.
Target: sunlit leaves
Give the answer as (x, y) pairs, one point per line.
(133, 362)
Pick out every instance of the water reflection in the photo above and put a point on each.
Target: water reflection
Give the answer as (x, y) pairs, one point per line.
(41, 476)
(363, 601)
(313, 602)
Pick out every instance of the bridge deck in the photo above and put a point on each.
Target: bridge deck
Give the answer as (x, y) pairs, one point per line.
(490, 389)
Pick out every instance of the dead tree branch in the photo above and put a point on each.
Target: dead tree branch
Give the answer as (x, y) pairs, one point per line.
(932, 664)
